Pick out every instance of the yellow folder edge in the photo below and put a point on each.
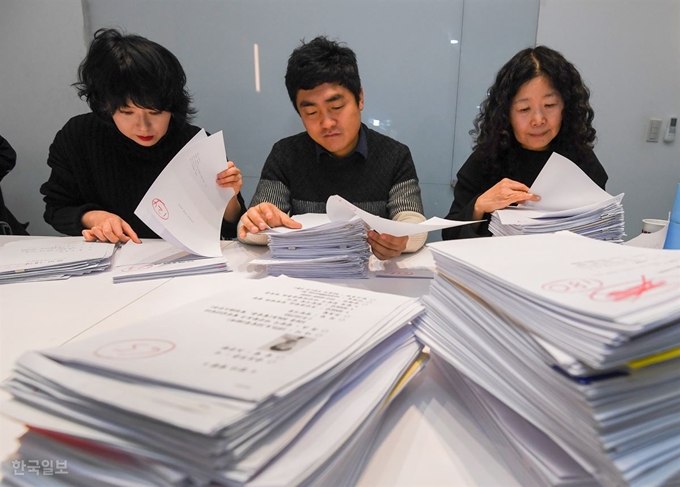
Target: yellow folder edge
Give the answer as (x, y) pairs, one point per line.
(654, 359)
(417, 364)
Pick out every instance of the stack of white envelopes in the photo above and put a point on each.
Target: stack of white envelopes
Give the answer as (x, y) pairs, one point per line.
(570, 200)
(580, 338)
(52, 258)
(320, 249)
(272, 382)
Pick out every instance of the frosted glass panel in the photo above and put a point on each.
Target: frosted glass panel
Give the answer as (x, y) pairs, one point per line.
(407, 63)
(410, 53)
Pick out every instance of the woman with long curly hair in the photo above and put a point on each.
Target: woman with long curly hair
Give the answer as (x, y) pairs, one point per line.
(537, 105)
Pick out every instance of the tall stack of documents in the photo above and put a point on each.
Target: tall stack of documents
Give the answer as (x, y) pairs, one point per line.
(526, 451)
(580, 338)
(570, 200)
(52, 258)
(320, 249)
(272, 382)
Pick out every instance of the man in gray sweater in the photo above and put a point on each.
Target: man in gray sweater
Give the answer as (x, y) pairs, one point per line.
(337, 154)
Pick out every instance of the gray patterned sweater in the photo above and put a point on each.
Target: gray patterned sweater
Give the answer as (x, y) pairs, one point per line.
(298, 178)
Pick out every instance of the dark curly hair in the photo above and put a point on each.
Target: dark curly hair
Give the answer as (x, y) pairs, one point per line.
(493, 135)
(320, 61)
(119, 68)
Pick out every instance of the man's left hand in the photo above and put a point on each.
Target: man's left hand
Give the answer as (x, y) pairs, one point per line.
(386, 246)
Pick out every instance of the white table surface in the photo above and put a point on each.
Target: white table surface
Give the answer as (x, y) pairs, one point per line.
(425, 439)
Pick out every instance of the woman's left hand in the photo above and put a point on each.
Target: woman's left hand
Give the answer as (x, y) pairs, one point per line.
(230, 178)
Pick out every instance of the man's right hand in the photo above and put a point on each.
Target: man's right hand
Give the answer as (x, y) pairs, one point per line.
(107, 227)
(263, 216)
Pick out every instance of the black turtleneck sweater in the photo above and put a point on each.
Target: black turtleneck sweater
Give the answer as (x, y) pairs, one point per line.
(518, 164)
(96, 167)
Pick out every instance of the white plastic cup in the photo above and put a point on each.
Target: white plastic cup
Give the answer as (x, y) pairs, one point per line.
(651, 225)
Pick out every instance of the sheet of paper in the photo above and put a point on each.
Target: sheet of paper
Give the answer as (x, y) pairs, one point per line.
(339, 209)
(151, 251)
(185, 206)
(561, 184)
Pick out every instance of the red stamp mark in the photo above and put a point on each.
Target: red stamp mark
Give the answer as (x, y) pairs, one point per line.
(160, 208)
(633, 290)
(134, 349)
(573, 285)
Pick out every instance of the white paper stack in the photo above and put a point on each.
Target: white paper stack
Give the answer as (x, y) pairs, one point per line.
(156, 258)
(273, 382)
(527, 452)
(333, 245)
(581, 338)
(52, 258)
(570, 200)
(320, 249)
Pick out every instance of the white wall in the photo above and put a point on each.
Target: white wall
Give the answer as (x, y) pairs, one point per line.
(628, 52)
(41, 45)
(409, 70)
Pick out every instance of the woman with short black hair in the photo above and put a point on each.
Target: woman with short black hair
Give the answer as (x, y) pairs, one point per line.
(104, 162)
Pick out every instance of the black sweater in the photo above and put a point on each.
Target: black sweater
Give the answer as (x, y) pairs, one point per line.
(96, 167)
(521, 165)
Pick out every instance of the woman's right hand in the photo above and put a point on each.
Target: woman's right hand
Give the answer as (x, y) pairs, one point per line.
(502, 195)
(107, 227)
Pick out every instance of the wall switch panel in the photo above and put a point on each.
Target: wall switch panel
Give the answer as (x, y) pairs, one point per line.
(654, 131)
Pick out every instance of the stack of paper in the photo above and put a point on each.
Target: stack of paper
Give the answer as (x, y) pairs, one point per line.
(155, 259)
(333, 245)
(527, 452)
(570, 200)
(584, 346)
(273, 382)
(52, 258)
(320, 249)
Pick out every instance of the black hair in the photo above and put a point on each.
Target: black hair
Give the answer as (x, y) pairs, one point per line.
(493, 133)
(322, 61)
(121, 68)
